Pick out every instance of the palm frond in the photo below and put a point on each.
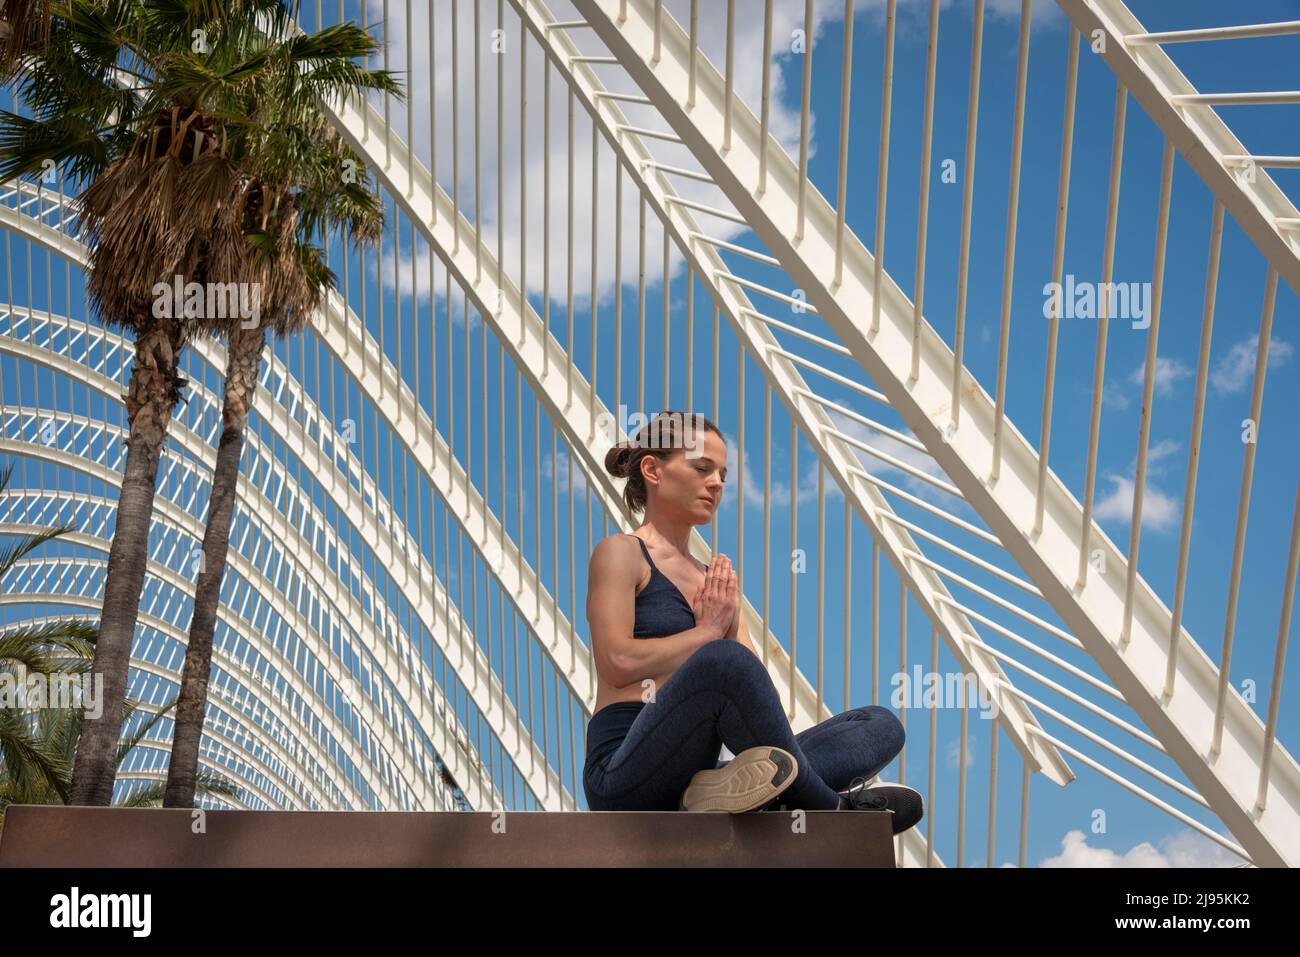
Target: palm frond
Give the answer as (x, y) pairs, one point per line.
(76, 636)
(10, 555)
(28, 763)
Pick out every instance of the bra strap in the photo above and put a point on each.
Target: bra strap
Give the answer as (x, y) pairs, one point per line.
(646, 552)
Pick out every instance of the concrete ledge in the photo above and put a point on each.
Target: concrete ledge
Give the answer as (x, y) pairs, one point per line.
(55, 836)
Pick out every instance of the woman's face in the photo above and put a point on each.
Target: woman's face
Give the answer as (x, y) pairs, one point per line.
(690, 481)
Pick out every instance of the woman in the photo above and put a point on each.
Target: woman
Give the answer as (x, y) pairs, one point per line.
(664, 707)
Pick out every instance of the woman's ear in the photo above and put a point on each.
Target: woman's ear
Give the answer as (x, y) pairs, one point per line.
(651, 474)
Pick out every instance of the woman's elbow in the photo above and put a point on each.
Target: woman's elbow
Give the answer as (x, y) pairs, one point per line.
(617, 669)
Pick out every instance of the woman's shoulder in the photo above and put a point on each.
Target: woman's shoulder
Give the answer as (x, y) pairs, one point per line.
(625, 538)
(621, 544)
(618, 556)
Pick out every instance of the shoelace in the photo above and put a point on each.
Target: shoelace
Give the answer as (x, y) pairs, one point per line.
(860, 797)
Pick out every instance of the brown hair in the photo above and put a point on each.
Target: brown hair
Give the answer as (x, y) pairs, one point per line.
(661, 437)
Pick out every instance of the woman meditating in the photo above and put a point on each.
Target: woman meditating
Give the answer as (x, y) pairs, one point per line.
(679, 678)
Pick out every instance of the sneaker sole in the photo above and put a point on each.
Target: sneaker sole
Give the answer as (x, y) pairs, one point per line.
(751, 779)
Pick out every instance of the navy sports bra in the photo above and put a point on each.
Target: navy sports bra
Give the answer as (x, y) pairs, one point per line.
(661, 608)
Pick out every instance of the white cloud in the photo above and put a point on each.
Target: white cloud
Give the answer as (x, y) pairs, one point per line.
(1236, 370)
(1045, 12)
(1114, 397)
(1168, 372)
(753, 489)
(561, 471)
(753, 479)
(1160, 512)
(1185, 848)
(1158, 451)
(954, 752)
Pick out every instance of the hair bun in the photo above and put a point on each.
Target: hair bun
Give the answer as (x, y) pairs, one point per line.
(616, 460)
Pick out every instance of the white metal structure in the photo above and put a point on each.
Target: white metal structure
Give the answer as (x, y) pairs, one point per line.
(1003, 556)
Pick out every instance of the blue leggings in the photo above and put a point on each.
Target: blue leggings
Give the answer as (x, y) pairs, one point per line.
(722, 694)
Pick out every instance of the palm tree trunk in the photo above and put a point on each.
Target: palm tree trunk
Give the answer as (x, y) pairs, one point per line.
(243, 361)
(152, 393)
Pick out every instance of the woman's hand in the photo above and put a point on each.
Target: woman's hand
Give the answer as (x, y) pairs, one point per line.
(717, 603)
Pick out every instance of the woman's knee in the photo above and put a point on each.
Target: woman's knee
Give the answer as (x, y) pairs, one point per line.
(888, 723)
(720, 671)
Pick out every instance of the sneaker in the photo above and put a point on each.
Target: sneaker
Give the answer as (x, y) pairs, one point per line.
(748, 781)
(904, 803)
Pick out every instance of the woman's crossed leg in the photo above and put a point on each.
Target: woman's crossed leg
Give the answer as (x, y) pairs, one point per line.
(856, 743)
(722, 694)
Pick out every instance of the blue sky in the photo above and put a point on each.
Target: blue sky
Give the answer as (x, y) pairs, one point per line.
(1055, 812)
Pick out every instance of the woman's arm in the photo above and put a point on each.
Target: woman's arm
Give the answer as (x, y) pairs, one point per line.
(649, 658)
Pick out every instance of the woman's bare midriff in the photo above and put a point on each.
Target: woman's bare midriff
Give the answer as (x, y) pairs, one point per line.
(606, 693)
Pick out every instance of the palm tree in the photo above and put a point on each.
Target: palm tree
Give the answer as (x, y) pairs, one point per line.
(133, 98)
(36, 755)
(300, 174)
